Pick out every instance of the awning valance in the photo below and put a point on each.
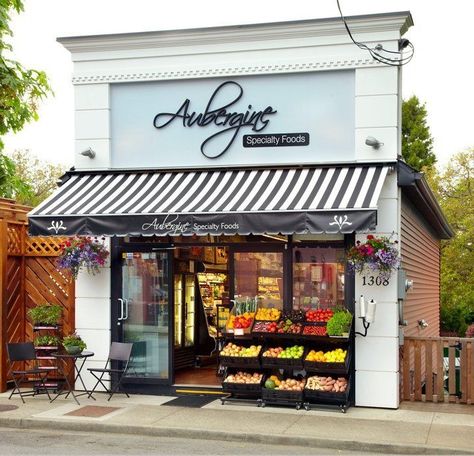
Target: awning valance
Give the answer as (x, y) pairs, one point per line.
(287, 201)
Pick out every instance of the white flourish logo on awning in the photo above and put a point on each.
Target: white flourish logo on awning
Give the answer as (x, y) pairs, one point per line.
(56, 226)
(340, 221)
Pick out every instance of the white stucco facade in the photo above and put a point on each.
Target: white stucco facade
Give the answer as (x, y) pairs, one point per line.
(282, 48)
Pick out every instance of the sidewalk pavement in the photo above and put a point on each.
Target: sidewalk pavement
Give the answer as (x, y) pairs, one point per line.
(412, 429)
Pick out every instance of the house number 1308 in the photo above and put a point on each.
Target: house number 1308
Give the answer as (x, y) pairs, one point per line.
(372, 280)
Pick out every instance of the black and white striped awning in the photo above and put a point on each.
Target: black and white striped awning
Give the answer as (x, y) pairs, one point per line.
(292, 200)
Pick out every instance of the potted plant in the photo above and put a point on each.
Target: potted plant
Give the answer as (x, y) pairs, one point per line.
(46, 341)
(73, 344)
(378, 255)
(82, 252)
(339, 324)
(45, 314)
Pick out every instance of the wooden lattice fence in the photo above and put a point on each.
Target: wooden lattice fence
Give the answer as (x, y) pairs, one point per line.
(28, 276)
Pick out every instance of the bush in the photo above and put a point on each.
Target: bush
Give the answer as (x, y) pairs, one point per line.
(470, 330)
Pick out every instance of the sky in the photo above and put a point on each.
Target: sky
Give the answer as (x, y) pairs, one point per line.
(440, 73)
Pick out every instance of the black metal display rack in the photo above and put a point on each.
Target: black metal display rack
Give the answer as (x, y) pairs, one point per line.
(46, 360)
(306, 399)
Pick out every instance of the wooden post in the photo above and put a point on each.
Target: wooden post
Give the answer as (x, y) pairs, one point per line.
(406, 370)
(418, 370)
(440, 371)
(3, 303)
(452, 373)
(470, 358)
(463, 371)
(429, 370)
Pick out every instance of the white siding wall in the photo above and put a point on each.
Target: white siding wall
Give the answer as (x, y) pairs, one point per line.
(377, 363)
(93, 317)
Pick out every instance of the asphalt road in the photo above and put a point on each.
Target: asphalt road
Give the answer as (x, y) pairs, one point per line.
(39, 442)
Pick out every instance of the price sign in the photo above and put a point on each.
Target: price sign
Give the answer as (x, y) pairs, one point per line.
(239, 331)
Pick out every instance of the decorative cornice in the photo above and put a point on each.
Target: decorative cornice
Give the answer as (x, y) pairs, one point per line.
(375, 23)
(191, 73)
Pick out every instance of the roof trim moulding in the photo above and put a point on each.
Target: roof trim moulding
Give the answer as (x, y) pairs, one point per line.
(393, 21)
(415, 187)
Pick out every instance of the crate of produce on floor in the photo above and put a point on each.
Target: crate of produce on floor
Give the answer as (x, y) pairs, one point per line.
(327, 389)
(243, 383)
(277, 389)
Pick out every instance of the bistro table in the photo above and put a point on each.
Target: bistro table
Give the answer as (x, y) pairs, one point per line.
(63, 358)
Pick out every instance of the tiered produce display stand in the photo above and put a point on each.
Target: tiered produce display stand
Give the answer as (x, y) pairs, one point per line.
(286, 361)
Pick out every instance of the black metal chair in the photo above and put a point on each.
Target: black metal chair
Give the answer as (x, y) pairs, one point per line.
(119, 351)
(25, 352)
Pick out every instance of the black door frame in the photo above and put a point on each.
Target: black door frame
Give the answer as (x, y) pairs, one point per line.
(117, 249)
(118, 246)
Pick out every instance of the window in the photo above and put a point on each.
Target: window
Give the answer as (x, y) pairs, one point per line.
(260, 274)
(318, 277)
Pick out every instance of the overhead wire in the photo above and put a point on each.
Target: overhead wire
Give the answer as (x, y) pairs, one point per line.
(377, 52)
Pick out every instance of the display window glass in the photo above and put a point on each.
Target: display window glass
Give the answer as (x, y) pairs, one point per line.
(318, 277)
(259, 274)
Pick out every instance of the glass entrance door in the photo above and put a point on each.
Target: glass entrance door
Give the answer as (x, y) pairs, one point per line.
(143, 313)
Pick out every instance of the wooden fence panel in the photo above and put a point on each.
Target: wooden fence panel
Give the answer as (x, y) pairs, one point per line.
(28, 277)
(447, 373)
(44, 284)
(15, 314)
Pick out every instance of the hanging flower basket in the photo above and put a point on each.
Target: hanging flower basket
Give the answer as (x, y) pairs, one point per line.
(375, 255)
(82, 252)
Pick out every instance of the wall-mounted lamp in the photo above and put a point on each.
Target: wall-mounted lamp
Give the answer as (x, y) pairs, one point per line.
(422, 324)
(88, 153)
(373, 142)
(366, 314)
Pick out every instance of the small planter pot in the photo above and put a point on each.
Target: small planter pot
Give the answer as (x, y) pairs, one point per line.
(73, 349)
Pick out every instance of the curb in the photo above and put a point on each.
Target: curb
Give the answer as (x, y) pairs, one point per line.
(205, 434)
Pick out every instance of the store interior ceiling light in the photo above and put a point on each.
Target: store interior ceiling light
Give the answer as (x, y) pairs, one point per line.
(373, 142)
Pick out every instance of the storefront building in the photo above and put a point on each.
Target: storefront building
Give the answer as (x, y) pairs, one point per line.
(228, 163)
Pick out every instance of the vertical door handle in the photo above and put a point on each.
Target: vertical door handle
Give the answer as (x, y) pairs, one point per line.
(120, 300)
(126, 309)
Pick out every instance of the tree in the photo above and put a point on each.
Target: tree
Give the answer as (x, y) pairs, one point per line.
(454, 188)
(417, 143)
(21, 90)
(39, 178)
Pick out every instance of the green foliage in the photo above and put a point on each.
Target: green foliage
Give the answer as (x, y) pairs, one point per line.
(470, 331)
(11, 184)
(35, 179)
(48, 314)
(46, 341)
(339, 323)
(417, 143)
(454, 188)
(74, 340)
(21, 90)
